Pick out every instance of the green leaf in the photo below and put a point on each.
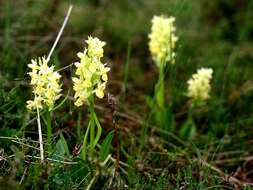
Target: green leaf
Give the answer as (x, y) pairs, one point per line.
(105, 147)
(99, 129)
(92, 134)
(65, 145)
(62, 102)
(188, 130)
(61, 148)
(169, 120)
(149, 101)
(159, 90)
(159, 94)
(85, 141)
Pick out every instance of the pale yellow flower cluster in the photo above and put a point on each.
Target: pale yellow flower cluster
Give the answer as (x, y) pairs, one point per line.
(199, 85)
(91, 73)
(45, 83)
(163, 40)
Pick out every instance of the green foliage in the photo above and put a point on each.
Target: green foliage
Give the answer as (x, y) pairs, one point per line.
(106, 146)
(61, 148)
(188, 129)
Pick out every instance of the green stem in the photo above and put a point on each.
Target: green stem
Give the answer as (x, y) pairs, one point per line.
(49, 130)
(160, 90)
(85, 141)
(159, 99)
(92, 112)
(94, 134)
(171, 83)
(92, 126)
(89, 131)
(99, 129)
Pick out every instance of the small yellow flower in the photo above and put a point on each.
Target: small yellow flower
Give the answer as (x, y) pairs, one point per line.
(100, 90)
(91, 73)
(95, 47)
(163, 40)
(45, 83)
(199, 85)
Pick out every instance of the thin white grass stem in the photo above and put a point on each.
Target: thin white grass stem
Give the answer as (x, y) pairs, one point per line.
(83, 180)
(54, 160)
(27, 145)
(63, 68)
(92, 180)
(60, 32)
(40, 135)
(23, 176)
(106, 160)
(16, 138)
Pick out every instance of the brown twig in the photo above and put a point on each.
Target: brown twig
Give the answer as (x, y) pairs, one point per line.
(232, 160)
(112, 103)
(226, 177)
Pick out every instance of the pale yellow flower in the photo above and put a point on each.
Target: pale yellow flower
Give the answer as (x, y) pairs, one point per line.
(199, 85)
(91, 74)
(163, 40)
(45, 83)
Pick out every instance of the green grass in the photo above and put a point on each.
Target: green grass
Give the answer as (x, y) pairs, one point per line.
(216, 34)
